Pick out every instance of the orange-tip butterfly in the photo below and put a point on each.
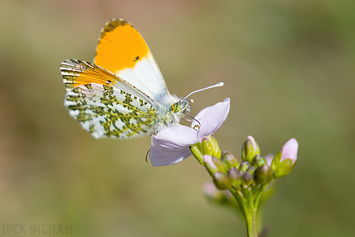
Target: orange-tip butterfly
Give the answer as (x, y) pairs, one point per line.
(123, 93)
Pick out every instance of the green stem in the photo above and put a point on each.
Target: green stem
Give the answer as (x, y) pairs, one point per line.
(246, 202)
(251, 221)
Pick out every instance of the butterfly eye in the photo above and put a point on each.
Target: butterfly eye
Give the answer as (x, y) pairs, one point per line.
(176, 107)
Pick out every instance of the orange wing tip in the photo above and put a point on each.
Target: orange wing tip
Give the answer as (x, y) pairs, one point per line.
(120, 46)
(111, 25)
(77, 72)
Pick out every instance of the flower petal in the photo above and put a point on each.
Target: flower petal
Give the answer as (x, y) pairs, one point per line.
(161, 157)
(171, 145)
(289, 150)
(268, 159)
(176, 137)
(211, 118)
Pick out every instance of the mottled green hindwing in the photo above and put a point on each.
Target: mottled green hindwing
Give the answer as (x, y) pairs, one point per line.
(112, 110)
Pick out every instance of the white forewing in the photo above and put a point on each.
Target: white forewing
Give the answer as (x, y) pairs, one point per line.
(146, 76)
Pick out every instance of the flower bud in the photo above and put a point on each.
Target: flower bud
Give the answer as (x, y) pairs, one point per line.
(222, 181)
(283, 169)
(196, 151)
(251, 169)
(210, 165)
(263, 175)
(235, 176)
(285, 159)
(210, 146)
(229, 160)
(250, 149)
(259, 161)
(216, 149)
(247, 179)
(214, 165)
(206, 146)
(290, 150)
(244, 166)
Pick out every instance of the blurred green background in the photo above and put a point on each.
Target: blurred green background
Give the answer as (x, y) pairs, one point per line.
(288, 67)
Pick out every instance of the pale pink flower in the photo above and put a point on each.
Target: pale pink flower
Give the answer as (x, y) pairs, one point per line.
(171, 145)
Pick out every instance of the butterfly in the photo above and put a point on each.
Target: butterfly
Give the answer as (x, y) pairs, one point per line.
(123, 93)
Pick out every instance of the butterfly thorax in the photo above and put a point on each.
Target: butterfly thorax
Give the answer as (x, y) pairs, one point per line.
(170, 111)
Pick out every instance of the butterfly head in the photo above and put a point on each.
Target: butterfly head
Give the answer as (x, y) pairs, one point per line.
(181, 106)
(172, 109)
(176, 107)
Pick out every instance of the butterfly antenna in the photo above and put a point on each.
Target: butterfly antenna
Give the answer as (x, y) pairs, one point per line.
(206, 88)
(146, 156)
(193, 118)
